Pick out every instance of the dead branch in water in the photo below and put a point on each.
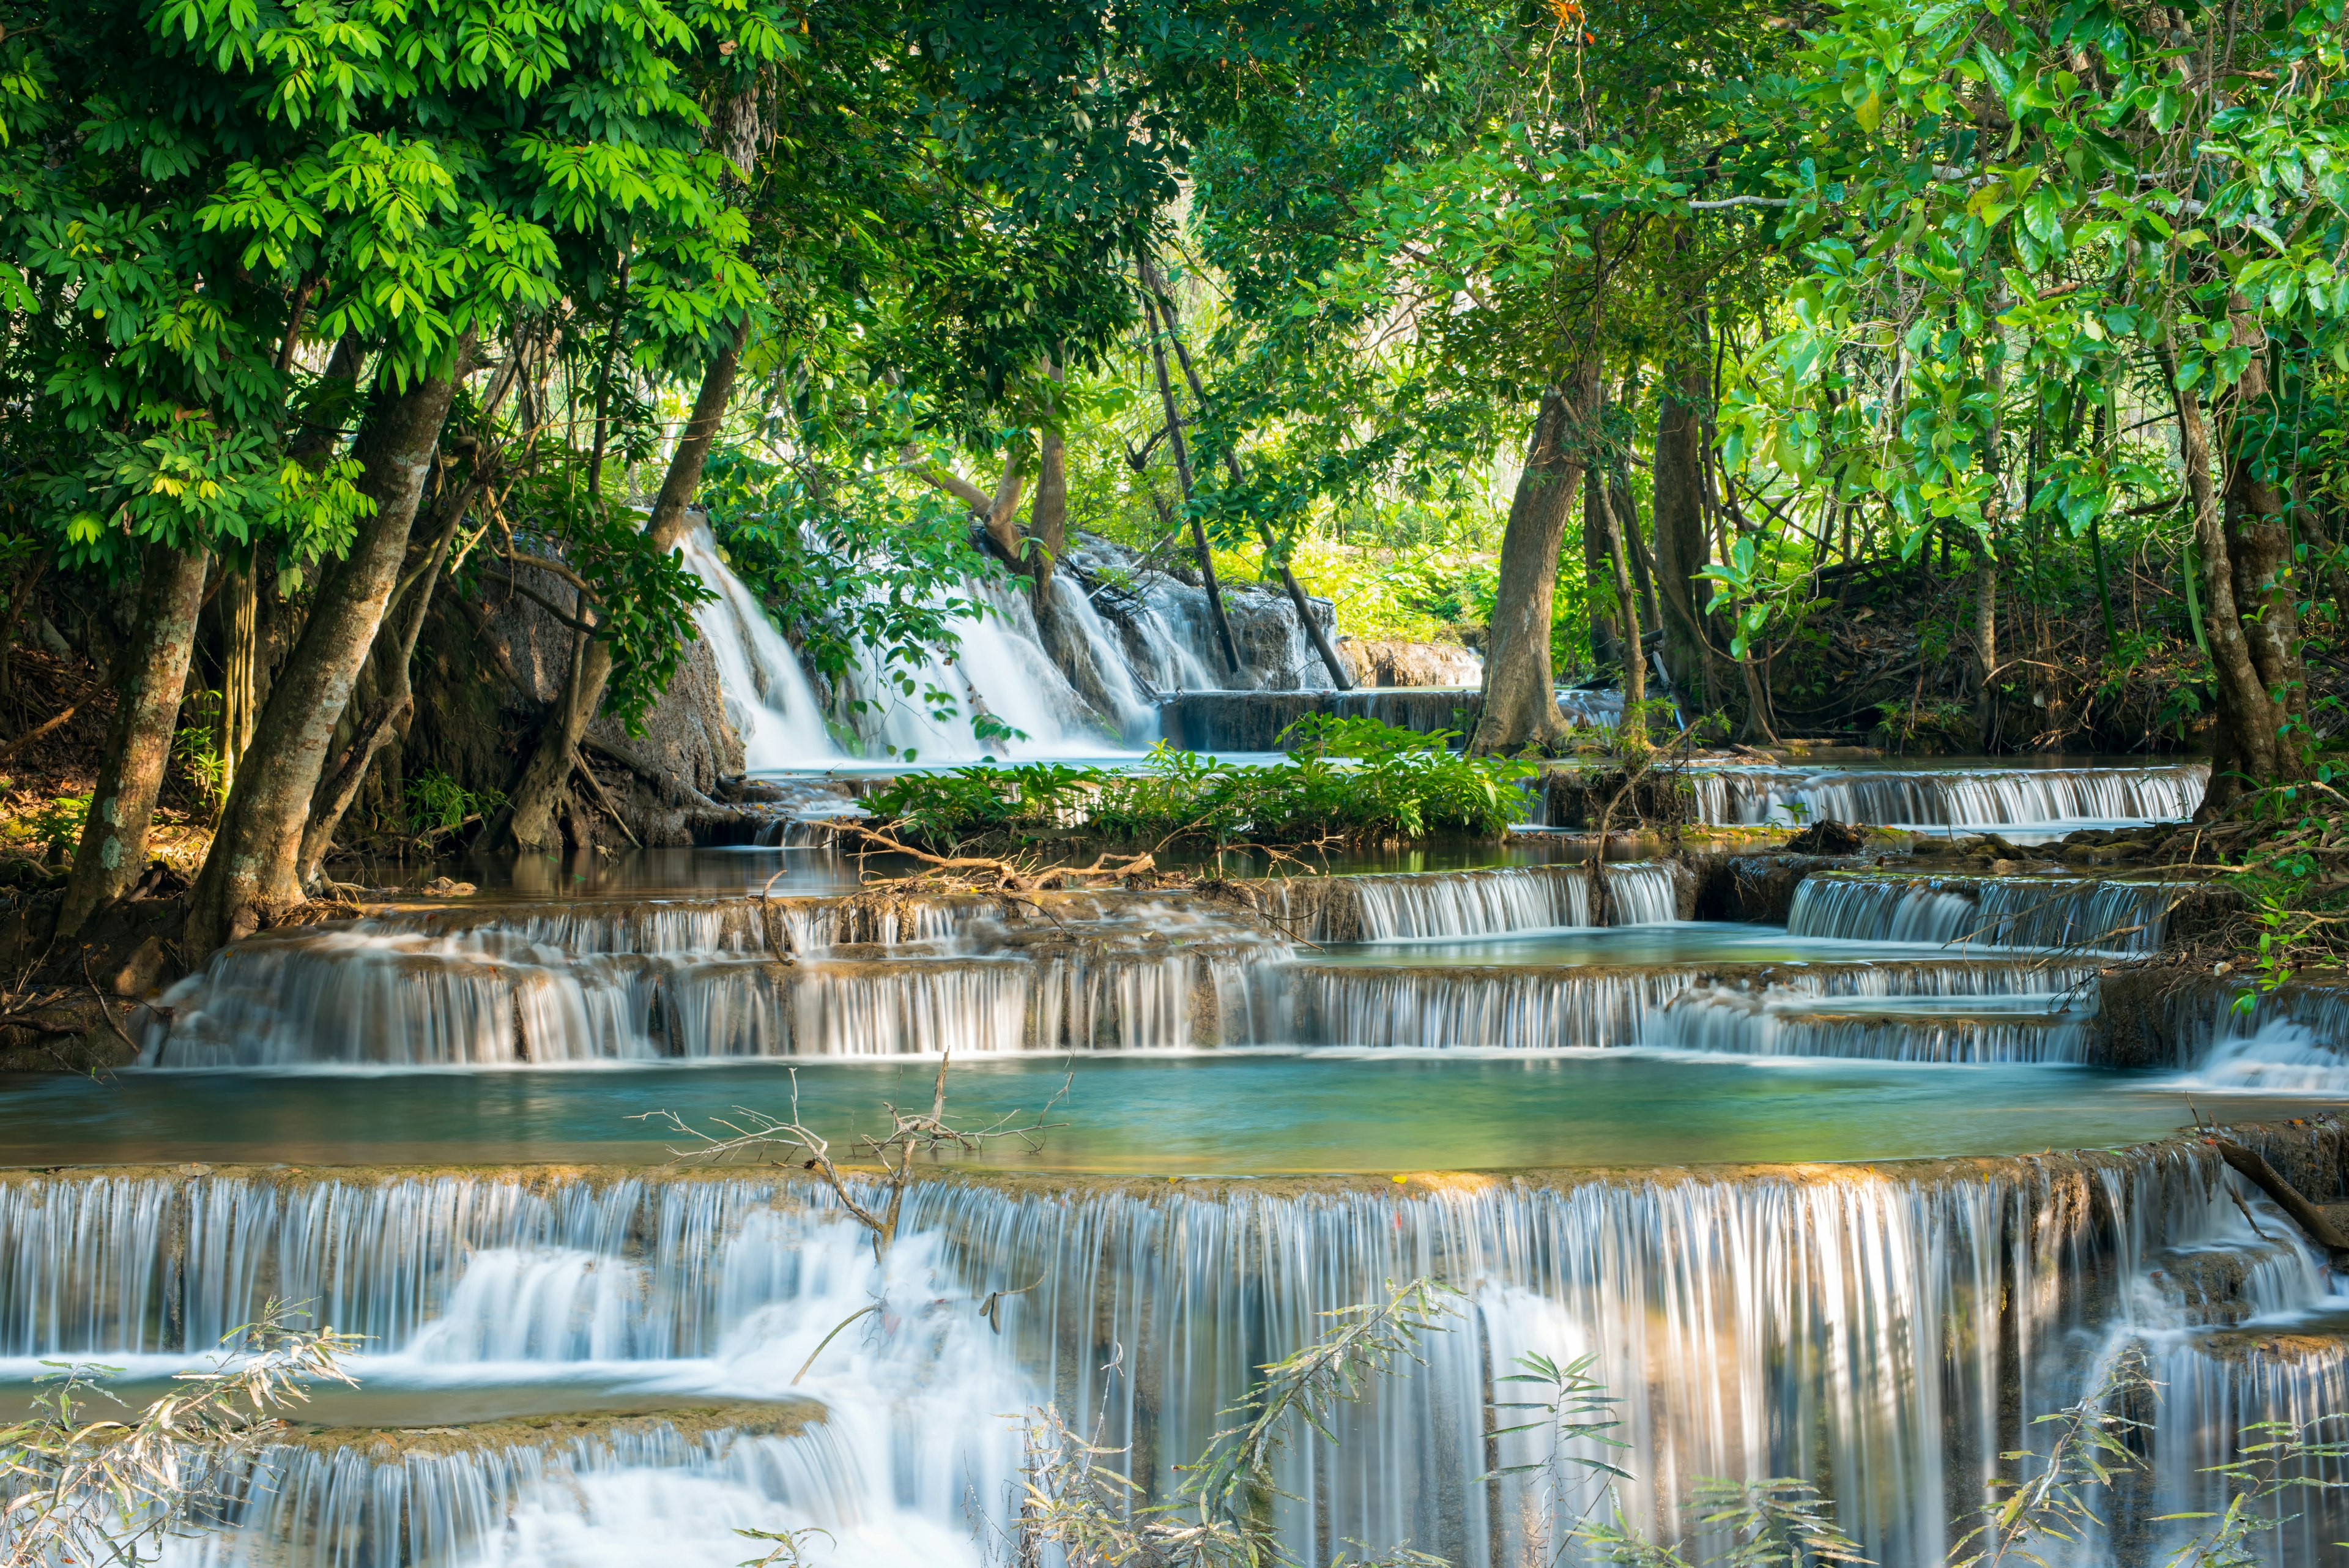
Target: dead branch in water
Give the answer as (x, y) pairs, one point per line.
(988, 872)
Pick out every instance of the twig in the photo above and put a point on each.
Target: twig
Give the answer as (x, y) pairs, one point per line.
(105, 1011)
(38, 731)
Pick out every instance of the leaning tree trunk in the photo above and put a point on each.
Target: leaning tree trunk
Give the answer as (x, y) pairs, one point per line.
(531, 823)
(1520, 698)
(149, 685)
(254, 859)
(387, 705)
(2247, 748)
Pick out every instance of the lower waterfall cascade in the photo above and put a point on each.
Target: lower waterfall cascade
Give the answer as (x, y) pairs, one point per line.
(1858, 1197)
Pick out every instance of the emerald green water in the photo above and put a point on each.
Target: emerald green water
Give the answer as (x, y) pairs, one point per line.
(1225, 1113)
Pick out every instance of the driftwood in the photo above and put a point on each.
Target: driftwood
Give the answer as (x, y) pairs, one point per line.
(2252, 1166)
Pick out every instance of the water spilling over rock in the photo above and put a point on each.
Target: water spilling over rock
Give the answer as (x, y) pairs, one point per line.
(1895, 1329)
(1986, 912)
(1951, 797)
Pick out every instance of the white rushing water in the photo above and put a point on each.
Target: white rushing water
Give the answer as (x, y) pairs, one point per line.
(1955, 798)
(1986, 912)
(768, 700)
(1897, 1332)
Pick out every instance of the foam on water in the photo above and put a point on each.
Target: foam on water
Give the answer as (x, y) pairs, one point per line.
(1896, 1331)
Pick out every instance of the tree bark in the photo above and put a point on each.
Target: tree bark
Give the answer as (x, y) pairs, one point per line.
(2248, 722)
(392, 699)
(1986, 561)
(1520, 697)
(2314, 1223)
(240, 676)
(1048, 515)
(530, 822)
(1599, 596)
(2260, 550)
(253, 864)
(1635, 663)
(149, 685)
(1682, 548)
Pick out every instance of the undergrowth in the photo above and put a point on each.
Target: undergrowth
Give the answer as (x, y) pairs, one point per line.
(1346, 781)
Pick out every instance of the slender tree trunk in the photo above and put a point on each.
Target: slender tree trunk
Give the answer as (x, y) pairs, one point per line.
(2247, 720)
(1626, 513)
(240, 683)
(1048, 516)
(530, 822)
(1682, 549)
(253, 864)
(149, 684)
(1340, 675)
(393, 698)
(1985, 555)
(1182, 451)
(1520, 698)
(1599, 595)
(1635, 663)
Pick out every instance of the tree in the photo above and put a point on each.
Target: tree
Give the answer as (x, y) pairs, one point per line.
(448, 177)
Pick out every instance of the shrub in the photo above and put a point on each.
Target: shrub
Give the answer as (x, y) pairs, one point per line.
(1349, 780)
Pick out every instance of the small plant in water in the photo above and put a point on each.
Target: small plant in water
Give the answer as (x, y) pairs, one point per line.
(76, 1490)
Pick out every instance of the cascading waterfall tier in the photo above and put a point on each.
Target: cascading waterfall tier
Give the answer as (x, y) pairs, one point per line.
(1950, 797)
(444, 1497)
(1986, 912)
(1893, 1330)
(1435, 904)
(553, 984)
(1723, 1007)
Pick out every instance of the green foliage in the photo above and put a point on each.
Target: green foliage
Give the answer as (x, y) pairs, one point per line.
(1079, 1509)
(853, 568)
(1349, 780)
(437, 804)
(57, 821)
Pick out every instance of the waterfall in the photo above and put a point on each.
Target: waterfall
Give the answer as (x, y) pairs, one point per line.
(1951, 797)
(768, 700)
(2002, 911)
(1896, 1328)
(1421, 906)
(1588, 1007)
(565, 985)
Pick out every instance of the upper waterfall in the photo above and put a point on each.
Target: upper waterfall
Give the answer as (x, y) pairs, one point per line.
(769, 698)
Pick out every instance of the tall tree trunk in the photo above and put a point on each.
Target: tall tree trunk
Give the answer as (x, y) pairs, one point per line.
(149, 684)
(240, 678)
(391, 699)
(2248, 722)
(1599, 596)
(1048, 515)
(1626, 513)
(530, 822)
(1682, 548)
(1986, 559)
(1340, 675)
(1182, 451)
(1520, 699)
(2259, 550)
(1634, 731)
(253, 863)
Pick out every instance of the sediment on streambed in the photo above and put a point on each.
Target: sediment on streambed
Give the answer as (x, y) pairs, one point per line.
(1889, 1329)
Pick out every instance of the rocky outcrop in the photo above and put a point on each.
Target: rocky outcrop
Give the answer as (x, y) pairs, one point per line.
(1384, 663)
(486, 673)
